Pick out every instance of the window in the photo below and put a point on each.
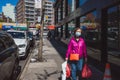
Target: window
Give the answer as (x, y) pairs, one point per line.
(88, 22)
(63, 9)
(59, 14)
(71, 26)
(81, 2)
(71, 6)
(8, 40)
(113, 28)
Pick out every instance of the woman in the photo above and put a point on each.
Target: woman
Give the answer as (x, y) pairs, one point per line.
(76, 46)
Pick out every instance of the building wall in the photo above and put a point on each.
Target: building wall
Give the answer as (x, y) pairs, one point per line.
(30, 10)
(49, 12)
(25, 11)
(4, 18)
(20, 12)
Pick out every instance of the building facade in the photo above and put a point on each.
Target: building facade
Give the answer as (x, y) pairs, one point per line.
(9, 11)
(3, 18)
(25, 11)
(49, 13)
(99, 20)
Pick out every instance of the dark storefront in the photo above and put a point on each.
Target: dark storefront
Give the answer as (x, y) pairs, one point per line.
(100, 21)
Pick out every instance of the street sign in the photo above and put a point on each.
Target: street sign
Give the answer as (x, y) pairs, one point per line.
(39, 19)
(38, 3)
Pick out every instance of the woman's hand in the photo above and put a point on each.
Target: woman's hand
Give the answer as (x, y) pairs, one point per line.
(66, 59)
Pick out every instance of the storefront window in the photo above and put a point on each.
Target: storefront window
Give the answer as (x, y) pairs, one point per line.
(71, 26)
(63, 9)
(71, 6)
(64, 31)
(59, 14)
(81, 2)
(90, 26)
(113, 28)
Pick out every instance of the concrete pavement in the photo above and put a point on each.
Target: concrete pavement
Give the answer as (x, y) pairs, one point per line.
(50, 68)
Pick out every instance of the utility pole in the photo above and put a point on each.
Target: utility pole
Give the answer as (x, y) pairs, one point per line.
(41, 34)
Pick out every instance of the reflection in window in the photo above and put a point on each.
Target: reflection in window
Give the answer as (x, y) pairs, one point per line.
(71, 6)
(81, 2)
(88, 23)
(113, 28)
(64, 31)
(19, 35)
(63, 9)
(71, 26)
(59, 14)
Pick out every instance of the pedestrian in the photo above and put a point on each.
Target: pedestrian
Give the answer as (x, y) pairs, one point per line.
(49, 35)
(76, 54)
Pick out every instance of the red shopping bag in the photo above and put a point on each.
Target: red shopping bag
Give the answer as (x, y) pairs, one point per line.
(86, 72)
(68, 71)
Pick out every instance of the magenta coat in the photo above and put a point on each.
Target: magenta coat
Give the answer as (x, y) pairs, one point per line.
(78, 47)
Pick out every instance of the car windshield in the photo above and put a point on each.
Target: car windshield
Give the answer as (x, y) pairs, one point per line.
(30, 34)
(19, 35)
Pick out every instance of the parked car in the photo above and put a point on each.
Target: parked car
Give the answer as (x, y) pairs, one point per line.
(9, 60)
(20, 38)
(31, 38)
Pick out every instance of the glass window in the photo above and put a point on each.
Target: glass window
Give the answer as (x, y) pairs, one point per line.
(89, 24)
(63, 9)
(59, 14)
(71, 26)
(64, 31)
(19, 35)
(71, 6)
(8, 40)
(113, 28)
(81, 2)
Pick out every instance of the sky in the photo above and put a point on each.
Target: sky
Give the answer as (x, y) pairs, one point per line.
(13, 2)
(3, 3)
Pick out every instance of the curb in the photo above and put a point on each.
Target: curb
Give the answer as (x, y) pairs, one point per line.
(22, 73)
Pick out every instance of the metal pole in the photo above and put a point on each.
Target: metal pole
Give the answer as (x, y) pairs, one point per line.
(41, 33)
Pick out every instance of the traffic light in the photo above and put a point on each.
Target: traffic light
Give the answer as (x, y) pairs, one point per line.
(46, 17)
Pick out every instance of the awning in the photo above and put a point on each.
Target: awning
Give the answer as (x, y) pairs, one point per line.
(20, 28)
(51, 27)
(7, 27)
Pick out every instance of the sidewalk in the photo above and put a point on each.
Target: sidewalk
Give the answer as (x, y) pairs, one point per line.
(51, 67)
(47, 70)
